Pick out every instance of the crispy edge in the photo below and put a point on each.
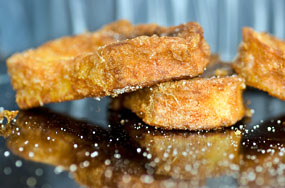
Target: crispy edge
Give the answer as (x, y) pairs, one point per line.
(41, 75)
(143, 61)
(201, 103)
(261, 61)
(89, 75)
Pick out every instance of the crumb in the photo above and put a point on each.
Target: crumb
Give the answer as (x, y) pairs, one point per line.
(9, 115)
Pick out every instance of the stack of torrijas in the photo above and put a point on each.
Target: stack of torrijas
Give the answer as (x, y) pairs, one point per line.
(159, 70)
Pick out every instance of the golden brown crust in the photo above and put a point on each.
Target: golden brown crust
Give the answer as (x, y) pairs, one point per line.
(96, 65)
(211, 101)
(201, 103)
(261, 62)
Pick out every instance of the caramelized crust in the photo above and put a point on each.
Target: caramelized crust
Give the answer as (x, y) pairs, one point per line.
(261, 61)
(116, 59)
(199, 103)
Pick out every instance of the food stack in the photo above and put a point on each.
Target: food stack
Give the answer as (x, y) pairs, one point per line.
(166, 76)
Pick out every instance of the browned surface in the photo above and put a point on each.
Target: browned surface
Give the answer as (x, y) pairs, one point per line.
(202, 103)
(199, 103)
(74, 67)
(261, 62)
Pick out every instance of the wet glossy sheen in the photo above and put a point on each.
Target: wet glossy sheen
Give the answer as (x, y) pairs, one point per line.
(123, 152)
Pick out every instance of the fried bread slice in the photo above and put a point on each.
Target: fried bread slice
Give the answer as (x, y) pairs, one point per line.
(261, 61)
(205, 102)
(116, 59)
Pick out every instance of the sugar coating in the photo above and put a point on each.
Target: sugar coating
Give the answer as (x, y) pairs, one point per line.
(117, 58)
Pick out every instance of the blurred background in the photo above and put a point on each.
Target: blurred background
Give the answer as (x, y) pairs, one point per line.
(26, 24)
(30, 23)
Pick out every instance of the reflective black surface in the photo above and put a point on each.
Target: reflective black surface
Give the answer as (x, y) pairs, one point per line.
(83, 143)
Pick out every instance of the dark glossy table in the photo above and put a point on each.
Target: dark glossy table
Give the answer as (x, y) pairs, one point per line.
(84, 143)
